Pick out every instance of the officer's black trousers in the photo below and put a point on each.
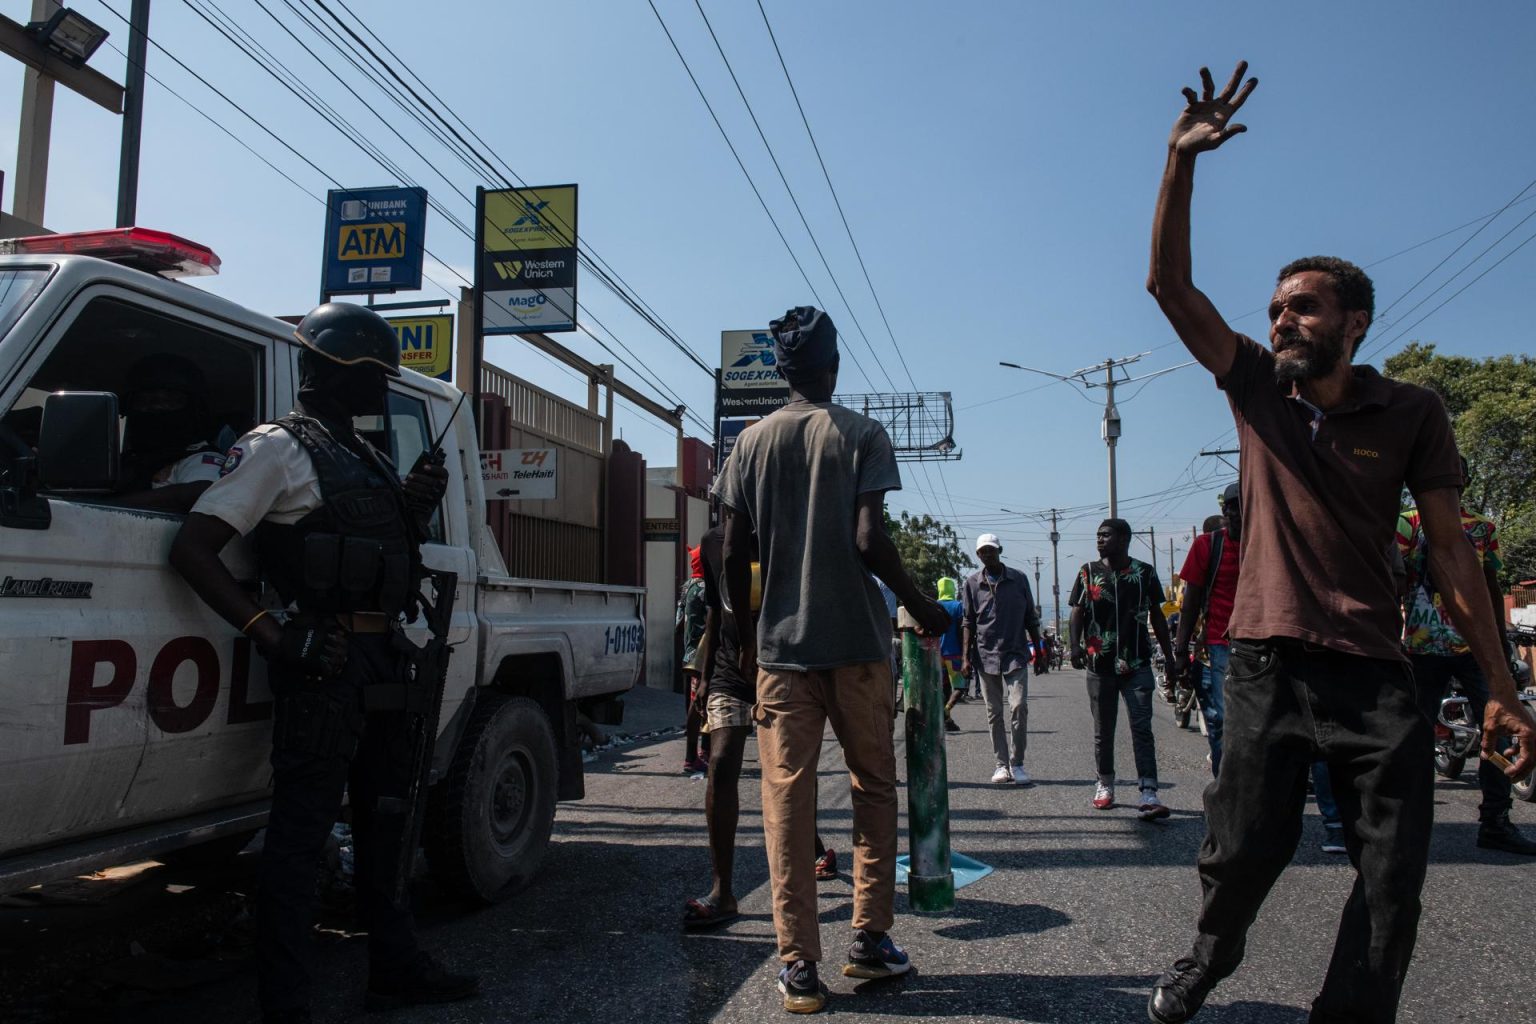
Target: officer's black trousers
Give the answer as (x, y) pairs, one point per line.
(324, 743)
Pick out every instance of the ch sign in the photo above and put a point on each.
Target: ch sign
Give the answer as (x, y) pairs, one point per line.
(520, 474)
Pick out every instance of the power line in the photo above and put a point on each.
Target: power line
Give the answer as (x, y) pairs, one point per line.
(748, 175)
(836, 201)
(591, 259)
(795, 202)
(1400, 334)
(248, 52)
(1458, 248)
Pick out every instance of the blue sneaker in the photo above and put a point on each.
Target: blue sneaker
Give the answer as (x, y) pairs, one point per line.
(874, 955)
(803, 990)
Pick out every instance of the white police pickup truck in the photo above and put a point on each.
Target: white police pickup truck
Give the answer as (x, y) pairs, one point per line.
(133, 721)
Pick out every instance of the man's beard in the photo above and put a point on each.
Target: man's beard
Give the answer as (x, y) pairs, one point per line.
(1308, 359)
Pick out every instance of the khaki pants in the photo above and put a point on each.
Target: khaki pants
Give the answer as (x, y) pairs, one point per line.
(792, 711)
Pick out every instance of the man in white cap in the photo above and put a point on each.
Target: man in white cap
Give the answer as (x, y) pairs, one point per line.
(1000, 624)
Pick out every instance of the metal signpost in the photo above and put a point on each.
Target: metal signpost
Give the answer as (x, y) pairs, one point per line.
(374, 239)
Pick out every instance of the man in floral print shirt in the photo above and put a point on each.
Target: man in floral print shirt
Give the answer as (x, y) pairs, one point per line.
(1113, 601)
(1440, 654)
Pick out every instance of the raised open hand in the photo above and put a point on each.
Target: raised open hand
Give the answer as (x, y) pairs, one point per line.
(1207, 121)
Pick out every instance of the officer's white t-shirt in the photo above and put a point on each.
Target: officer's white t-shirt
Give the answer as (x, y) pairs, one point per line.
(267, 475)
(190, 469)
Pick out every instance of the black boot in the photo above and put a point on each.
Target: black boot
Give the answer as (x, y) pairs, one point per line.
(1500, 834)
(422, 981)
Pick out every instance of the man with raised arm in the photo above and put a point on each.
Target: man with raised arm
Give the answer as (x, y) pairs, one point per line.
(1316, 671)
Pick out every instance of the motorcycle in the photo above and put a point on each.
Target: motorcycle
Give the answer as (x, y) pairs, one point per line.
(1183, 697)
(1459, 736)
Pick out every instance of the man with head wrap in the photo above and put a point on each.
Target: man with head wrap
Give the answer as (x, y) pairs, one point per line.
(338, 536)
(810, 480)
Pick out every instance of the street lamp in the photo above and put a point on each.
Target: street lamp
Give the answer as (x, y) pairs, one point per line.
(69, 35)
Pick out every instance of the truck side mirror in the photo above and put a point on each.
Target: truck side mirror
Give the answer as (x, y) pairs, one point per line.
(79, 444)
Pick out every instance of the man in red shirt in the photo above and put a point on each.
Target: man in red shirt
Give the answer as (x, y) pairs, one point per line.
(1208, 597)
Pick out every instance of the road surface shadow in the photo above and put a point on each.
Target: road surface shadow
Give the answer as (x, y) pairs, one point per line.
(1039, 999)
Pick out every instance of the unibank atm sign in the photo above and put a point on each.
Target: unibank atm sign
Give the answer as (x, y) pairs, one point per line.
(373, 239)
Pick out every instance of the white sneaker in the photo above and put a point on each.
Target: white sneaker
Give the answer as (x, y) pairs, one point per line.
(1103, 796)
(1020, 776)
(1002, 775)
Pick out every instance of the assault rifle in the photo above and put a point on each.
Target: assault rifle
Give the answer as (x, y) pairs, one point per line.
(428, 677)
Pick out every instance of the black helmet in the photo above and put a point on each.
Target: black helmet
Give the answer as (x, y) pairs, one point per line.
(348, 335)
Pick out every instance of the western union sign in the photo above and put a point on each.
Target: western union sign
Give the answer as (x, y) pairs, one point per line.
(373, 240)
(525, 268)
(426, 343)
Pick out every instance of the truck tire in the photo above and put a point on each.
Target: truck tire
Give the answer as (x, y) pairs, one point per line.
(489, 819)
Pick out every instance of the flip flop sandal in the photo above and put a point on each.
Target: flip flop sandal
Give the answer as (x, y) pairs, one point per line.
(705, 913)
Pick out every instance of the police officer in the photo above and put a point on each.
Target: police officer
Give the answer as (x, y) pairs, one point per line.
(168, 460)
(337, 534)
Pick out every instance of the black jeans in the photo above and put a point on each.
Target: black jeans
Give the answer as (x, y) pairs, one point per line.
(1104, 695)
(1288, 704)
(324, 743)
(1432, 674)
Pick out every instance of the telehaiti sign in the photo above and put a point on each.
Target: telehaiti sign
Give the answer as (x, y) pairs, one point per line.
(426, 343)
(374, 240)
(525, 270)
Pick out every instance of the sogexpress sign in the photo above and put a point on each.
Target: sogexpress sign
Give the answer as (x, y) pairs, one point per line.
(374, 240)
(747, 361)
(526, 259)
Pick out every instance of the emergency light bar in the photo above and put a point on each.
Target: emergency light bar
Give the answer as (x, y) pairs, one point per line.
(157, 252)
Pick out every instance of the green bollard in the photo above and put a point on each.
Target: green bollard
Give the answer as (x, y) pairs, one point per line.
(931, 882)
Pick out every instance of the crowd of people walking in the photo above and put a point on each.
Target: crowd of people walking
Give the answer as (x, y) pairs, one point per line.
(1291, 630)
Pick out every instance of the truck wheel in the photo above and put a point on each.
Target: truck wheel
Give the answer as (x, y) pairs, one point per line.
(489, 819)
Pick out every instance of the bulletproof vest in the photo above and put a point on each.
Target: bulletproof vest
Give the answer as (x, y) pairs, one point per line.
(356, 552)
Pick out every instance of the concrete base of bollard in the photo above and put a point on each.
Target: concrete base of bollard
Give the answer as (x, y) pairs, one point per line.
(931, 894)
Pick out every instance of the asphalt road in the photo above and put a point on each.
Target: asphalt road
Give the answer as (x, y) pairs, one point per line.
(1084, 909)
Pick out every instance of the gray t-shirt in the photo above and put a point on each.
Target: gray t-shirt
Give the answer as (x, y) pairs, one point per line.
(798, 475)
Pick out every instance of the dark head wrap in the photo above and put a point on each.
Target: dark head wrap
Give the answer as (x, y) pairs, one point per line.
(804, 342)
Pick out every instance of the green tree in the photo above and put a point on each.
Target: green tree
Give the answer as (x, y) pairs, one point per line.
(929, 549)
(1492, 403)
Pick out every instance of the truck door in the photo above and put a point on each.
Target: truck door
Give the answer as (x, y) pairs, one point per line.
(124, 700)
(416, 419)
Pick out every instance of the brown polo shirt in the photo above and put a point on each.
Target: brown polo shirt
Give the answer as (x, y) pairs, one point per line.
(1321, 495)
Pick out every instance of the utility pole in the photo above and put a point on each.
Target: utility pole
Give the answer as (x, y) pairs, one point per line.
(1170, 559)
(1056, 569)
(1110, 428)
(36, 133)
(133, 115)
(1038, 560)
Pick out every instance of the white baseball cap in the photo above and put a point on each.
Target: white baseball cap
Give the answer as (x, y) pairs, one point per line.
(988, 540)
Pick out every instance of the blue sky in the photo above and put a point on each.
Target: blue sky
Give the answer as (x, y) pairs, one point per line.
(997, 163)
